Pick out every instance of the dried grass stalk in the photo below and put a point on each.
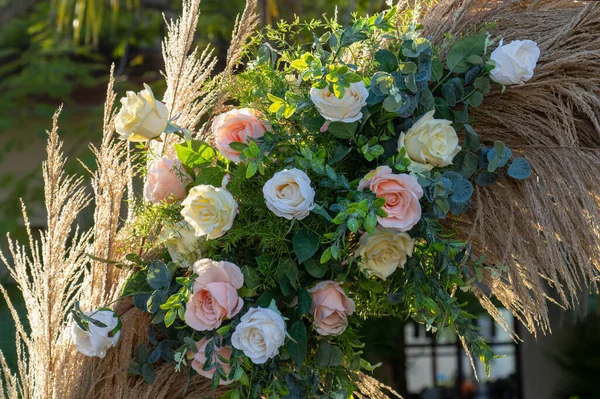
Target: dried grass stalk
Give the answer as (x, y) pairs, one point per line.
(48, 273)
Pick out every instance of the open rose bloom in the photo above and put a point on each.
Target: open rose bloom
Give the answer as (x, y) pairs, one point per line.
(330, 307)
(401, 192)
(215, 297)
(237, 125)
(166, 181)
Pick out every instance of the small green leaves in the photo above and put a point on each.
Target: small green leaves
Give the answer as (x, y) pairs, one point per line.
(304, 302)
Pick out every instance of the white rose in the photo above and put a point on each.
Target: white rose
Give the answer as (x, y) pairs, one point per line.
(430, 142)
(260, 334)
(209, 210)
(97, 340)
(384, 251)
(345, 109)
(182, 243)
(515, 62)
(288, 194)
(142, 117)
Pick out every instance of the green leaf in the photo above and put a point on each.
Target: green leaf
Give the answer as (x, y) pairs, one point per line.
(170, 317)
(472, 140)
(142, 353)
(148, 373)
(486, 178)
(251, 279)
(304, 302)
(195, 153)
(483, 84)
(336, 356)
(323, 355)
(465, 163)
(252, 169)
(437, 69)
(136, 283)
(158, 275)
(297, 345)
(449, 95)
(342, 130)
(287, 276)
(299, 65)
(476, 99)
(305, 243)
(462, 50)
(387, 60)
(463, 189)
(519, 169)
(314, 268)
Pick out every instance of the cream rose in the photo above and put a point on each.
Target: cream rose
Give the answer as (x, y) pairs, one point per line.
(209, 210)
(260, 334)
(142, 117)
(199, 360)
(288, 194)
(214, 297)
(97, 340)
(384, 251)
(430, 142)
(330, 307)
(401, 193)
(182, 243)
(237, 125)
(166, 181)
(515, 62)
(346, 109)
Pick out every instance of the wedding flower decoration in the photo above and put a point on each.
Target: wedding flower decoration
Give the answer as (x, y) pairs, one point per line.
(166, 180)
(430, 142)
(384, 251)
(330, 307)
(289, 195)
(142, 117)
(401, 193)
(101, 335)
(237, 126)
(515, 62)
(214, 297)
(260, 334)
(346, 109)
(220, 355)
(209, 210)
(293, 235)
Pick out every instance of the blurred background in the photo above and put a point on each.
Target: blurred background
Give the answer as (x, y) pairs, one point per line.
(56, 52)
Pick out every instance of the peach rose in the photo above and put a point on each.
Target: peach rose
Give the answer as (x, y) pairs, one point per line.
(401, 193)
(215, 297)
(166, 180)
(330, 307)
(237, 125)
(199, 360)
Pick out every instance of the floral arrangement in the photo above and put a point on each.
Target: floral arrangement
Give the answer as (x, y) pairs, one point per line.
(325, 194)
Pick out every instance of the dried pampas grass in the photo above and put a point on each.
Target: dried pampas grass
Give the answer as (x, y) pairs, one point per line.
(547, 228)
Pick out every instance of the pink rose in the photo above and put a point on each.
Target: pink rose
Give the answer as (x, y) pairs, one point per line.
(330, 307)
(199, 360)
(166, 180)
(214, 297)
(237, 125)
(401, 193)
